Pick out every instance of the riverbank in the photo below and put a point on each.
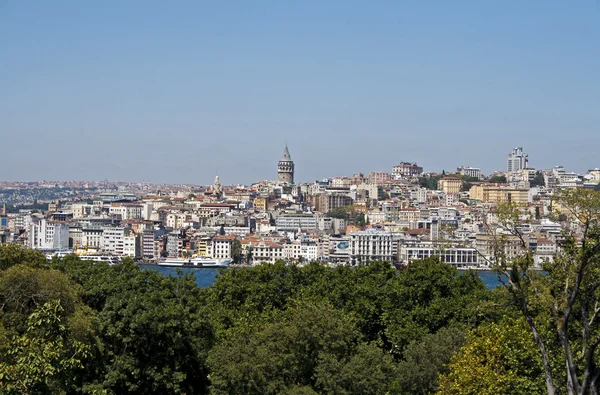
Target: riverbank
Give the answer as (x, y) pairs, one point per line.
(205, 277)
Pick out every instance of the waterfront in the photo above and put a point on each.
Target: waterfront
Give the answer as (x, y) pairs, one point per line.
(206, 277)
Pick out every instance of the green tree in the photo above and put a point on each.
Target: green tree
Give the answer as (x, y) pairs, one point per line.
(43, 359)
(236, 251)
(153, 332)
(14, 254)
(368, 370)
(309, 346)
(538, 180)
(498, 358)
(430, 182)
(428, 296)
(568, 296)
(498, 179)
(425, 359)
(360, 220)
(340, 212)
(24, 289)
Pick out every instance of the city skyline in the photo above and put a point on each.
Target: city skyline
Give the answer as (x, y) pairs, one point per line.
(179, 94)
(276, 170)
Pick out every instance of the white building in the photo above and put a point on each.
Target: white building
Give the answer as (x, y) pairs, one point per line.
(339, 250)
(341, 182)
(92, 237)
(82, 210)
(309, 251)
(455, 256)
(125, 211)
(147, 209)
(131, 246)
(293, 222)
(48, 235)
(176, 220)
(562, 179)
(406, 170)
(372, 244)
(113, 240)
(376, 217)
(470, 172)
(266, 251)
(419, 195)
(517, 160)
(221, 246)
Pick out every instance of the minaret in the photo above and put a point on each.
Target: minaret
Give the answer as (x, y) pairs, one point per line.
(217, 188)
(285, 167)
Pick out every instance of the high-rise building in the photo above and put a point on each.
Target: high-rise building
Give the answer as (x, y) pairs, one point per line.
(517, 160)
(285, 167)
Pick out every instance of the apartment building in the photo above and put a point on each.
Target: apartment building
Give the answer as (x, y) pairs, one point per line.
(131, 246)
(450, 185)
(113, 240)
(406, 170)
(378, 177)
(499, 194)
(125, 211)
(46, 235)
(263, 250)
(325, 202)
(293, 222)
(221, 246)
(499, 246)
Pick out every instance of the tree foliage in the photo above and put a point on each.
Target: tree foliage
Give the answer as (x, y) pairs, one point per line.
(498, 358)
(375, 311)
(538, 180)
(13, 254)
(498, 179)
(44, 358)
(426, 358)
(567, 299)
(272, 328)
(236, 251)
(430, 182)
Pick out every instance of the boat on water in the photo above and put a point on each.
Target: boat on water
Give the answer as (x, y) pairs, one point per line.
(194, 262)
(109, 259)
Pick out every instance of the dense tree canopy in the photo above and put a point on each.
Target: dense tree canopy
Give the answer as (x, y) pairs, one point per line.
(561, 308)
(275, 329)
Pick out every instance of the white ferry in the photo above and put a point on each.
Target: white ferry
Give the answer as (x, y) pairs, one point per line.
(109, 259)
(194, 262)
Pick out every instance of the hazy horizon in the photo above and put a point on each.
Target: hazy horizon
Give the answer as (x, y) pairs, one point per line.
(178, 93)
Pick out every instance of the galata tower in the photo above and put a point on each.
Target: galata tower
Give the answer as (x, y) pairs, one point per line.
(285, 167)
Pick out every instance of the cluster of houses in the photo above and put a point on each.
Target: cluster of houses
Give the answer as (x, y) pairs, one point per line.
(394, 217)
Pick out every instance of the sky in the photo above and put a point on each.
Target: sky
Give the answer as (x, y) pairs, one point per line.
(181, 91)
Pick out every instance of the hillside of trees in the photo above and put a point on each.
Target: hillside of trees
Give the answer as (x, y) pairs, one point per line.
(75, 327)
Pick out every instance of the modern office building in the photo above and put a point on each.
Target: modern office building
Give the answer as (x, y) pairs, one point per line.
(517, 160)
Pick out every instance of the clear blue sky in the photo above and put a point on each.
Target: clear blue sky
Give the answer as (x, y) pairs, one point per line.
(180, 91)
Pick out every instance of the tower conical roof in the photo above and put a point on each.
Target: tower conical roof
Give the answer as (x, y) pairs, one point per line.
(286, 155)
